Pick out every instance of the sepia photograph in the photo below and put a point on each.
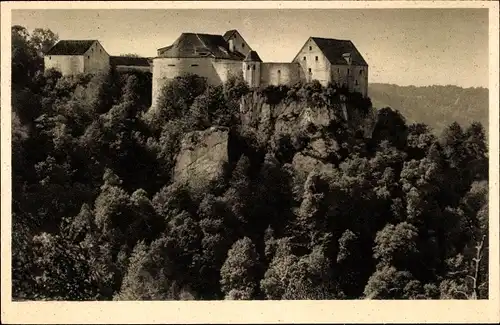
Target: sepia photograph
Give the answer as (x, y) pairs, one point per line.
(245, 153)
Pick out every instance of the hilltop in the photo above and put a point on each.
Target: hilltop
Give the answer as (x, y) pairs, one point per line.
(436, 106)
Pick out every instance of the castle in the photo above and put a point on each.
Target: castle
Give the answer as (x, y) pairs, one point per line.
(218, 57)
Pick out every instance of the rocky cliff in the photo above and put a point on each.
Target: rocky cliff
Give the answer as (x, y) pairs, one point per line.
(202, 156)
(314, 132)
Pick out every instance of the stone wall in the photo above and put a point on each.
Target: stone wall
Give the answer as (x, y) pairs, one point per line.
(66, 64)
(313, 63)
(279, 74)
(353, 77)
(96, 59)
(165, 69)
(227, 68)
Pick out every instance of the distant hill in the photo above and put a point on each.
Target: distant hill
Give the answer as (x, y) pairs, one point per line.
(437, 106)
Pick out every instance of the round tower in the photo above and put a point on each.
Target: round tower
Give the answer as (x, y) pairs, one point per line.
(251, 69)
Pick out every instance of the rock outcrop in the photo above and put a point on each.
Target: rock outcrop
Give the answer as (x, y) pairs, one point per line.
(296, 118)
(284, 118)
(202, 157)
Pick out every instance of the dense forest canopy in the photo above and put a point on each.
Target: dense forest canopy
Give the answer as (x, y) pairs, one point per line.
(395, 212)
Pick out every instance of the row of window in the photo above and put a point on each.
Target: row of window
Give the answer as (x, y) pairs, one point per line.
(173, 65)
(315, 58)
(242, 44)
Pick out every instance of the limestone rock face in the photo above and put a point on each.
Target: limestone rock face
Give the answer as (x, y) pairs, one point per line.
(202, 156)
(291, 119)
(283, 118)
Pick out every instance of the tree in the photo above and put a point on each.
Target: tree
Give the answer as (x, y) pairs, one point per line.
(42, 40)
(130, 55)
(148, 274)
(27, 52)
(238, 274)
(390, 283)
(396, 244)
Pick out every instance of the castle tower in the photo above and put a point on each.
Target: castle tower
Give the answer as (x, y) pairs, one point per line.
(251, 69)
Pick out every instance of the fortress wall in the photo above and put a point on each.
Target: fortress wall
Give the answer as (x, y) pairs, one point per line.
(126, 68)
(96, 59)
(164, 69)
(355, 77)
(66, 64)
(279, 74)
(227, 68)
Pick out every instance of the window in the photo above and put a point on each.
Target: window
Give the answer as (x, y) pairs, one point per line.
(316, 58)
(360, 72)
(304, 58)
(356, 82)
(279, 71)
(253, 67)
(248, 67)
(50, 58)
(88, 56)
(194, 65)
(100, 50)
(338, 70)
(242, 45)
(348, 71)
(171, 65)
(310, 48)
(310, 70)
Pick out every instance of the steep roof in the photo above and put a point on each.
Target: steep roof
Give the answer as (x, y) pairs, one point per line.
(227, 35)
(129, 61)
(70, 47)
(334, 50)
(194, 45)
(252, 56)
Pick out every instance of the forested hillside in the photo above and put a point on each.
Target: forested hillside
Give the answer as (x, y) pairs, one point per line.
(230, 193)
(436, 106)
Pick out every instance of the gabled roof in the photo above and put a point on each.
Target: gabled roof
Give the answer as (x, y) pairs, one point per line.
(334, 50)
(252, 56)
(70, 47)
(194, 45)
(128, 61)
(227, 35)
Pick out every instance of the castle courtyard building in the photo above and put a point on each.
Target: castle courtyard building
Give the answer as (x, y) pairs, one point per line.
(73, 57)
(218, 57)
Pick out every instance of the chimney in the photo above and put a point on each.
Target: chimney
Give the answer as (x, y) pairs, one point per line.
(231, 45)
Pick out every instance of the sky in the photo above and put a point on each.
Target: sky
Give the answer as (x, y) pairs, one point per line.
(402, 46)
